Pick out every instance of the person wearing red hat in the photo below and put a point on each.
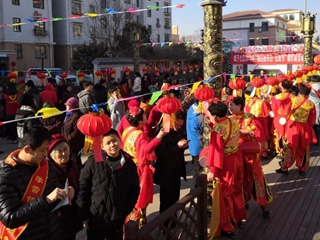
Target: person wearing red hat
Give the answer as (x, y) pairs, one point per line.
(21, 86)
(49, 95)
(124, 122)
(71, 132)
(65, 167)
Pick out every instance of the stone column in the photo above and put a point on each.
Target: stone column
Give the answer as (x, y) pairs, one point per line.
(308, 29)
(136, 57)
(212, 48)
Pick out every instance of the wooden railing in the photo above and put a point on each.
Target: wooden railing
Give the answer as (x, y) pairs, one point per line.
(186, 219)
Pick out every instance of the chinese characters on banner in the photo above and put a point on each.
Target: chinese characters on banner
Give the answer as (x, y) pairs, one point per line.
(267, 58)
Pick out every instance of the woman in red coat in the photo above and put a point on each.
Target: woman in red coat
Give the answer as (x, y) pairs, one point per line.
(49, 95)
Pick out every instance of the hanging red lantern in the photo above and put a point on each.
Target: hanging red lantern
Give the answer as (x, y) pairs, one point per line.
(304, 71)
(176, 71)
(272, 82)
(197, 68)
(237, 85)
(12, 77)
(281, 78)
(144, 70)
(80, 76)
(42, 77)
(168, 105)
(98, 74)
(309, 68)
(156, 71)
(166, 71)
(203, 93)
(94, 125)
(298, 74)
(317, 59)
(185, 69)
(257, 83)
(112, 73)
(127, 70)
(191, 69)
(64, 75)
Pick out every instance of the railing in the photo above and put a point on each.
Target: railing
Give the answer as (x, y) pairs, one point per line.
(186, 219)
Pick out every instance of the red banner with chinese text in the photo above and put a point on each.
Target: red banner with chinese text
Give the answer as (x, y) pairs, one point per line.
(271, 58)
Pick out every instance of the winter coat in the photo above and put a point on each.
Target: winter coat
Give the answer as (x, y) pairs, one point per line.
(53, 124)
(86, 100)
(60, 91)
(109, 195)
(49, 95)
(43, 223)
(71, 132)
(101, 95)
(68, 217)
(12, 104)
(117, 111)
(170, 163)
(34, 92)
(194, 130)
(23, 125)
(65, 96)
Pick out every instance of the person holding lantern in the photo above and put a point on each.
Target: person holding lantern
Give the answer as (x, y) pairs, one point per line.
(223, 153)
(299, 132)
(251, 140)
(137, 144)
(108, 190)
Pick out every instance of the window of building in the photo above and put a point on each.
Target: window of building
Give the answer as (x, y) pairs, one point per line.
(157, 4)
(150, 29)
(284, 26)
(291, 17)
(38, 4)
(138, 3)
(251, 42)
(127, 1)
(92, 8)
(265, 26)
(103, 4)
(76, 8)
(92, 31)
(158, 21)
(167, 38)
(251, 26)
(19, 50)
(40, 51)
(16, 2)
(265, 41)
(158, 37)
(77, 29)
(167, 23)
(40, 28)
(277, 26)
(16, 28)
(166, 9)
(285, 16)
(149, 13)
(138, 19)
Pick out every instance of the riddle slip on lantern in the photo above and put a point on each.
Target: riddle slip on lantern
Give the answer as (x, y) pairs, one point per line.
(94, 125)
(203, 93)
(168, 106)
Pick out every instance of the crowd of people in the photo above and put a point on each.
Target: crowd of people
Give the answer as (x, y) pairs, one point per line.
(47, 192)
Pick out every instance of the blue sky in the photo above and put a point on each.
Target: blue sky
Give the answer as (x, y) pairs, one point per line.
(190, 18)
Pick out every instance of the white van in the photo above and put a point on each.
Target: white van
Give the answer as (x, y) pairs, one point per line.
(71, 79)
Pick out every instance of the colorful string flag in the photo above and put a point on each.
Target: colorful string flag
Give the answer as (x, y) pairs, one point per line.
(224, 75)
(155, 96)
(132, 10)
(111, 11)
(48, 112)
(153, 7)
(194, 87)
(162, 44)
(232, 76)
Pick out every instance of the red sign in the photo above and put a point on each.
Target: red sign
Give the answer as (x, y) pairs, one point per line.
(267, 58)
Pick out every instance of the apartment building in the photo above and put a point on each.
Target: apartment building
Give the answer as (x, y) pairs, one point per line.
(294, 17)
(255, 27)
(175, 34)
(72, 33)
(29, 44)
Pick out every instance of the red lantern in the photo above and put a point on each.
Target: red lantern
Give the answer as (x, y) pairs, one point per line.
(127, 70)
(197, 68)
(156, 71)
(94, 125)
(113, 73)
(42, 77)
(168, 105)
(272, 82)
(304, 71)
(309, 68)
(317, 59)
(191, 69)
(176, 71)
(64, 75)
(282, 78)
(185, 69)
(298, 74)
(166, 70)
(291, 77)
(203, 93)
(237, 85)
(12, 76)
(80, 76)
(257, 82)
(144, 70)
(98, 74)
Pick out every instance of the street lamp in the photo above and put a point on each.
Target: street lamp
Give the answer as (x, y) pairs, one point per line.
(308, 29)
(136, 51)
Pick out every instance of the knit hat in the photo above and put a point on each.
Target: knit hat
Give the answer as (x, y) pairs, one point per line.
(133, 103)
(27, 100)
(72, 102)
(22, 81)
(56, 138)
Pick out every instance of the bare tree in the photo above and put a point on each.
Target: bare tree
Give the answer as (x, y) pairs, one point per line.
(105, 29)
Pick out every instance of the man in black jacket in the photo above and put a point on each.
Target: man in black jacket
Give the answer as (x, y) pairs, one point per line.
(108, 191)
(170, 165)
(30, 190)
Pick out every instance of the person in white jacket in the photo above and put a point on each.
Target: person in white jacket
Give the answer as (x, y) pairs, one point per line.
(137, 85)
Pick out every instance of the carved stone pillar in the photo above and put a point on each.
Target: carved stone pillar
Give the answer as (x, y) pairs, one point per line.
(136, 58)
(308, 29)
(212, 51)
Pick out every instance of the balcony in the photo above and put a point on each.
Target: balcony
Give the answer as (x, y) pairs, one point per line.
(167, 14)
(40, 32)
(37, 15)
(158, 25)
(167, 26)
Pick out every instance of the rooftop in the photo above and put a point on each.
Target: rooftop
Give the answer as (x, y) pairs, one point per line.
(116, 61)
(250, 15)
(287, 10)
